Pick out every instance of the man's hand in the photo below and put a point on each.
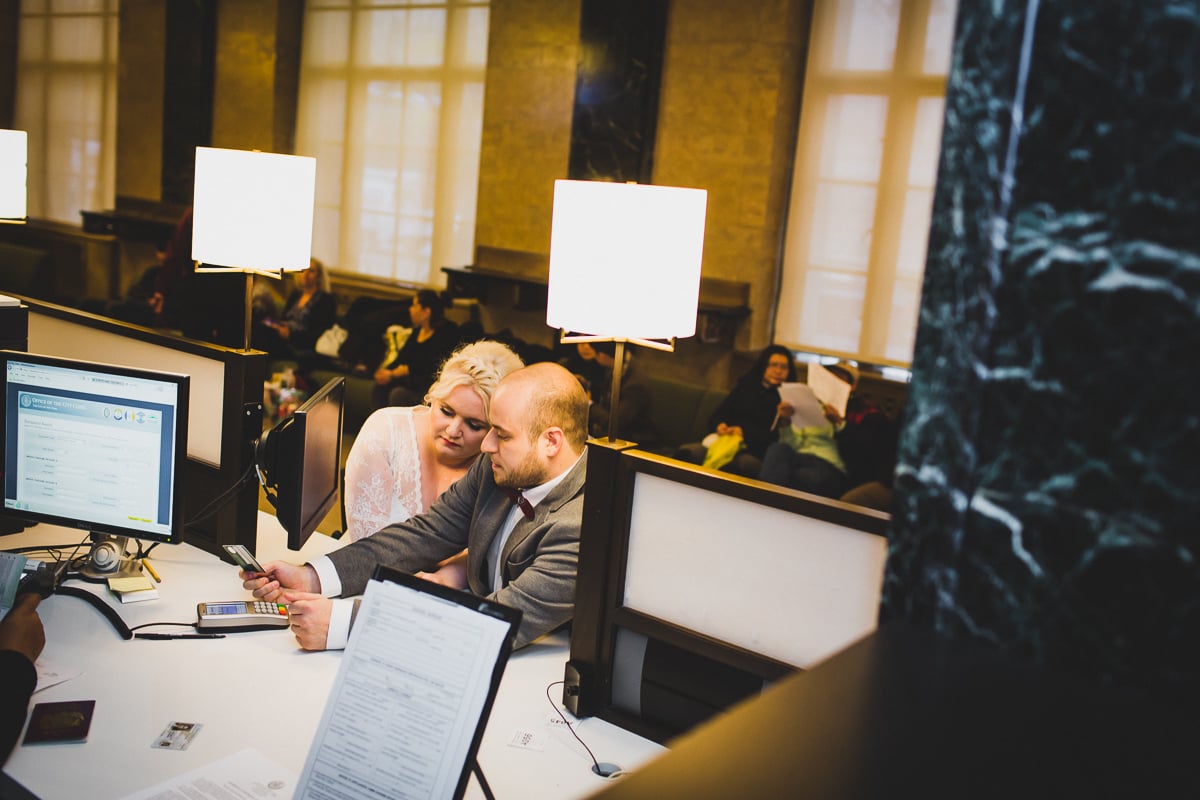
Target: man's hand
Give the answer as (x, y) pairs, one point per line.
(452, 572)
(281, 576)
(310, 618)
(22, 629)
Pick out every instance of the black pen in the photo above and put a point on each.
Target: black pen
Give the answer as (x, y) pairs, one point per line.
(161, 636)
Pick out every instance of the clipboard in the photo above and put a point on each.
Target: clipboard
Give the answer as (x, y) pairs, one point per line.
(412, 696)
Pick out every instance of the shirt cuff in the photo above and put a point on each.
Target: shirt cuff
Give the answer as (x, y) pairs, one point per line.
(331, 584)
(339, 624)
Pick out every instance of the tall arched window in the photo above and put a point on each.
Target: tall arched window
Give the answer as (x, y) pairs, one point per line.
(391, 105)
(67, 101)
(866, 161)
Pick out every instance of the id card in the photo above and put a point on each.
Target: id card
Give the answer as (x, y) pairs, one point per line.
(177, 736)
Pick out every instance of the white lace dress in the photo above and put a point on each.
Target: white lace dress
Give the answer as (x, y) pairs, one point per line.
(383, 472)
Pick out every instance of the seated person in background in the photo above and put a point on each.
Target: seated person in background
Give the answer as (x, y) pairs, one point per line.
(581, 361)
(867, 441)
(747, 413)
(807, 459)
(405, 379)
(21, 641)
(635, 422)
(135, 307)
(205, 306)
(310, 309)
(522, 550)
(404, 457)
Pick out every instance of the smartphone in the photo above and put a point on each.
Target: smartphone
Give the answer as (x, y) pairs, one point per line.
(244, 558)
(241, 615)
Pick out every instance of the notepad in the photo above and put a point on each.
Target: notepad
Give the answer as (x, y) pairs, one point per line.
(133, 589)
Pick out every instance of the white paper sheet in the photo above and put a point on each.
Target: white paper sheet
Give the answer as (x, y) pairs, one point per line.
(832, 390)
(806, 408)
(406, 701)
(51, 674)
(245, 775)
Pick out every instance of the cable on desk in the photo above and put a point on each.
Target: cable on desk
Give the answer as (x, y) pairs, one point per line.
(604, 770)
(101, 606)
(152, 624)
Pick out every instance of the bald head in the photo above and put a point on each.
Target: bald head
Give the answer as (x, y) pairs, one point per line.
(552, 397)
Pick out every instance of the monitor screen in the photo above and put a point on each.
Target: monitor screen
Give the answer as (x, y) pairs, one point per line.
(94, 446)
(300, 459)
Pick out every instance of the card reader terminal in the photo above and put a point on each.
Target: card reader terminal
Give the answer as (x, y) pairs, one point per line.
(241, 615)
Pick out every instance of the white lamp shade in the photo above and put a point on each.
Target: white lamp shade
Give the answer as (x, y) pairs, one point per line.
(253, 210)
(625, 259)
(14, 149)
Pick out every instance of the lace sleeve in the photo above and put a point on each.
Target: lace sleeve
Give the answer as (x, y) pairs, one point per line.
(383, 473)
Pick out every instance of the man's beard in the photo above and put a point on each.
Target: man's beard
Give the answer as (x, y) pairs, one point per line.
(530, 472)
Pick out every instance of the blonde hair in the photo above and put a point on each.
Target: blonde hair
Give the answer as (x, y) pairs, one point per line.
(479, 365)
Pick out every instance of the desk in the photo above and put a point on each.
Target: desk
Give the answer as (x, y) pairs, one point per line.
(257, 690)
(903, 713)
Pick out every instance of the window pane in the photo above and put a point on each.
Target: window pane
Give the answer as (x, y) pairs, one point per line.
(77, 39)
(914, 233)
(939, 37)
(926, 142)
(470, 32)
(31, 47)
(382, 38)
(864, 35)
(427, 38)
(831, 317)
(76, 6)
(326, 39)
(902, 325)
(841, 230)
(853, 138)
(396, 37)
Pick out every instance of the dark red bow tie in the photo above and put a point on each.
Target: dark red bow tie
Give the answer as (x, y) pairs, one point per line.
(525, 506)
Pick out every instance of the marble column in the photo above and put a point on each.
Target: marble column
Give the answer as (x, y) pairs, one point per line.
(1049, 480)
(616, 90)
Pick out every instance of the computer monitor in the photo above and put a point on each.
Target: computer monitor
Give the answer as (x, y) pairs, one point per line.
(299, 462)
(98, 447)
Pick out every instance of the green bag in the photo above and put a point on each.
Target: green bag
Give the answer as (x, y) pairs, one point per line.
(722, 451)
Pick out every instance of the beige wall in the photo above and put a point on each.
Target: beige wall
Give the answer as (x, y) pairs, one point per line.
(254, 88)
(730, 92)
(532, 49)
(141, 60)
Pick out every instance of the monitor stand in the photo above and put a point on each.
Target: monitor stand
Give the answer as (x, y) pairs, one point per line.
(107, 559)
(8, 526)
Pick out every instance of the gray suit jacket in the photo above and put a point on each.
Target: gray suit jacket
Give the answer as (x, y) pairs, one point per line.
(540, 558)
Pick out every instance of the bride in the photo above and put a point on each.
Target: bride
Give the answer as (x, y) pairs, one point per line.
(404, 457)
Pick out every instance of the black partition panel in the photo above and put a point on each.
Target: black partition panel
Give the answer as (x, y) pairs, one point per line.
(226, 386)
(658, 669)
